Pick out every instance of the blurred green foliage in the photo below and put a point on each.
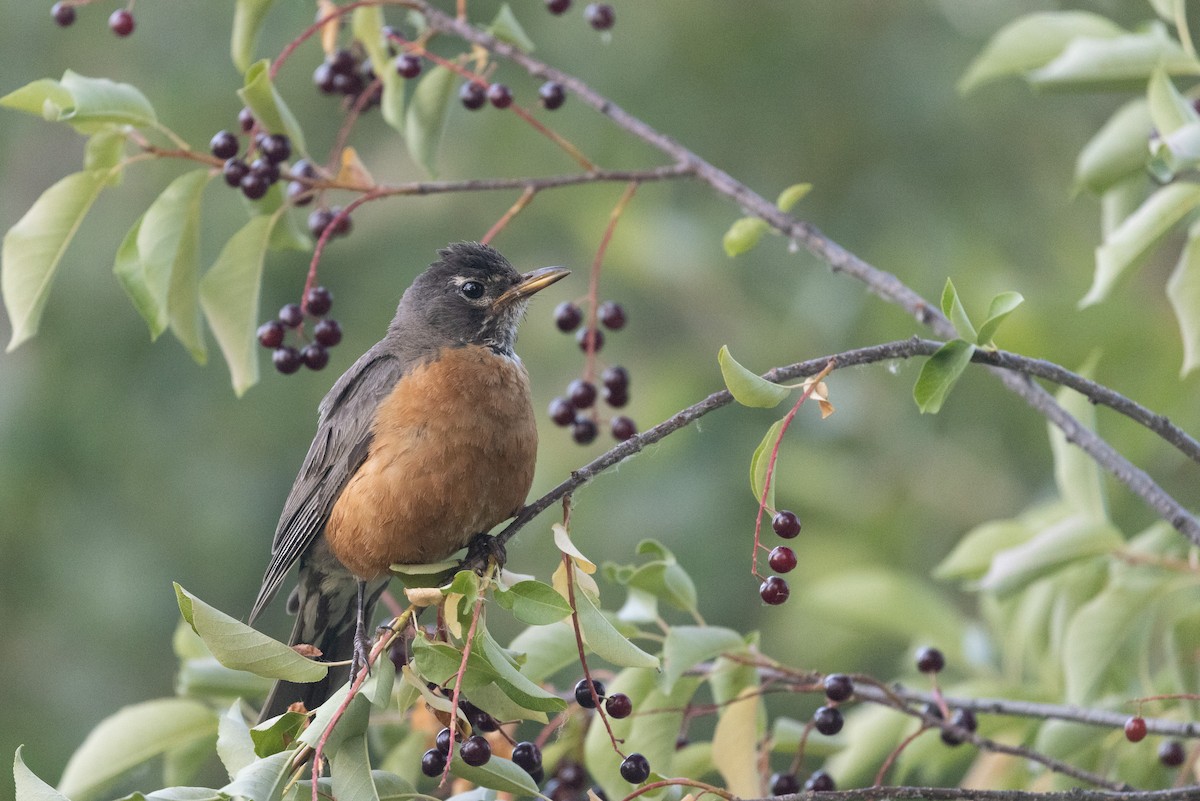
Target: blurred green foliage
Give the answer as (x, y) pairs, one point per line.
(124, 466)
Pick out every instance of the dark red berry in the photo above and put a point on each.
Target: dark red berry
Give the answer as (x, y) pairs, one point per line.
(583, 695)
(600, 16)
(267, 170)
(930, 660)
(327, 332)
(482, 721)
(472, 95)
(623, 428)
(561, 412)
(342, 61)
(786, 524)
(319, 220)
(567, 316)
(234, 171)
(932, 710)
(433, 763)
(314, 356)
(318, 301)
(500, 95)
(304, 169)
(571, 774)
(63, 14)
(964, 719)
(1171, 753)
(121, 22)
(584, 430)
(612, 315)
(270, 334)
(784, 784)
(557, 6)
(828, 720)
(820, 782)
(635, 769)
(398, 653)
(618, 705)
(838, 686)
(408, 65)
(347, 84)
(254, 185)
(782, 559)
(774, 591)
(291, 315)
(342, 224)
(299, 194)
(245, 120)
(224, 145)
(615, 398)
(552, 95)
(1135, 729)
(475, 751)
(276, 148)
(286, 359)
(323, 78)
(590, 337)
(615, 378)
(582, 394)
(442, 741)
(527, 756)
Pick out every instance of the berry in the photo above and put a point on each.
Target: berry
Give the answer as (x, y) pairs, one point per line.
(234, 171)
(482, 721)
(590, 336)
(774, 591)
(582, 394)
(314, 356)
(270, 334)
(304, 169)
(623, 428)
(323, 77)
(499, 95)
(224, 145)
(820, 782)
(291, 315)
(398, 653)
(784, 784)
(63, 14)
(782, 559)
(838, 687)
(527, 756)
(635, 769)
(930, 660)
(121, 22)
(1171, 753)
(472, 95)
(342, 223)
(786, 524)
(618, 706)
(343, 62)
(932, 710)
(475, 751)
(286, 359)
(433, 763)
(245, 120)
(267, 170)
(552, 95)
(583, 695)
(615, 378)
(612, 315)
(442, 741)
(600, 16)
(828, 720)
(319, 220)
(964, 719)
(318, 301)
(1135, 729)
(276, 148)
(567, 316)
(584, 430)
(557, 6)
(615, 398)
(561, 412)
(299, 194)
(571, 774)
(538, 774)
(254, 185)
(327, 333)
(408, 65)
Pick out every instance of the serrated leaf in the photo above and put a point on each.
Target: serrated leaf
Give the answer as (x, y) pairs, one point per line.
(1183, 291)
(743, 235)
(366, 23)
(687, 646)
(1070, 540)
(939, 374)
(747, 388)
(534, 602)
(263, 779)
(229, 294)
(28, 785)
(497, 774)
(248, 16)
(760, 461)
(604, 639)
(261, 97)
(34, 247)
(240, 647)
(425, 116)
(506, 28)
(1030, 42)
(735, 744)
(1118, 149)
(789, 197)
(235, 747)
(952, 307)
(1114, 63)
(1001, 306)
(131, 737)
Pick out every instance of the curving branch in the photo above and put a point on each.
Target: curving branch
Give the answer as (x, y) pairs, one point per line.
(887, 793)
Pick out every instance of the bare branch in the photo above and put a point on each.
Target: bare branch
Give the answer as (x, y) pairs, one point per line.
(886, 793)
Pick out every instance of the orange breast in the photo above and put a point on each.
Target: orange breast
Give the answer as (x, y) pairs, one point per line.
(452, 455)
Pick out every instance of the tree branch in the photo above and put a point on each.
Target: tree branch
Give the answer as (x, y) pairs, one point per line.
(885, 793)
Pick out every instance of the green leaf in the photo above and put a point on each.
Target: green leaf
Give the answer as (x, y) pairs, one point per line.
(260, 95)
(235, 747)
(44, 98)
(1001, 306)
(366, 23)
(87, 104)
(687, 646)
(425, 116)
(939, 374)
(240, 647)
(760, 461)
(264, 779)
(350, 770)
(952, 307)
(1118, 150)
(496, 774)
(603, 638)
(180, 765)
(1183, 291)
(1073, 539)
(486, 664)
(791, 196)
(735, 744)
(746, 387)
(973, 554)
(547, 649)
(506, 28)
(288, 233)
(378, 687)
(185, 794)
(29, 786)
(207, 678)
(517, 686)
(229, 297)
(131, 737)
(1030, 42)
(1169, 110)
(743, 235)
(1119, 62)
(1079, 480)
(104, 150)
(534, 602)
(34, 247)
(277, 734)
(248, 16)
(668, 581)
(352, 723)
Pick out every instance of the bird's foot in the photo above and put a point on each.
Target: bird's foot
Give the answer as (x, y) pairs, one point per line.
(358, 662)
(482, 549)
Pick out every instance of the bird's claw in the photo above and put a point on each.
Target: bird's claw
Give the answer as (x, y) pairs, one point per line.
(482, 549)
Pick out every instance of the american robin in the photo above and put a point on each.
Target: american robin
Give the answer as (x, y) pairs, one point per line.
(424, 444)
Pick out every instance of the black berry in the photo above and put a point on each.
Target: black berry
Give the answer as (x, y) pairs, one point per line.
(615, 398)
(475, 751)
(342, 224)
(552, 95)
(557, 6)
(615, 378)
(582, 394)
(442, 741)
(472, 95)
(964, 719)
(286, 359)
(304, 169)
(408, 65)
(820, 782)
(838, 687)
(571, 774)
(267, 170)
(538, 774)
(584, 430)
(1135, 729)
(224, 145)
(774, 591)
(291, 315)
(343, 62)
(234, 171)
(299, 194)
(612, 315)
(592, 338)
(318, 301)
(1171, 753)
(828, 720)
(782, 559)
(527, 756)
(323, 78)
(398, 653)
(623, 428)
(784, 784)
(561, 412)
(327, 332)
(786, 524)
(583, 694)
(254, 185)
(930, 660)
(314, 356)
(270, 334)
(635, 769)
(618, 706)
(245, 120)
(482, 721)
(433, 763)
(319, 220)
(121, 22)
(276, 148)
(600, 16)
(499, 95)
(63, 14)
(567, 316)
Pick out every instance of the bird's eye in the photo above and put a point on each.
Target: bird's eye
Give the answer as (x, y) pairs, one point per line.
(472, 290)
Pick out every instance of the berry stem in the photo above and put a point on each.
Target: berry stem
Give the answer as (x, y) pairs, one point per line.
(291, 46)
(554, 137)
(458, 680)
(524, 200)
(311, 279)
(569, 569)
(699, 785)
(593, 296)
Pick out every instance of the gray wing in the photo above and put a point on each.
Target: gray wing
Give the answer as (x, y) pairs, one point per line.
(339, 448)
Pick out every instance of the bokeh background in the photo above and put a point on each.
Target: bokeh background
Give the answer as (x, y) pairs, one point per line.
(125, 466)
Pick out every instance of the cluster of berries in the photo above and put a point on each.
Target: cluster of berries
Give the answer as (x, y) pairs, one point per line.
(325, 333)
(932, 661)
(789, 783)
(475, 94)
(599, 15)
(1171, 753)
(571, 409)
(475, 749)
(348, 73)
(635, 768)
(256, 176)
(775, 590)
(120, 22)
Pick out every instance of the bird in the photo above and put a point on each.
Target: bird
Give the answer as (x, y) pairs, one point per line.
(426, 443)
